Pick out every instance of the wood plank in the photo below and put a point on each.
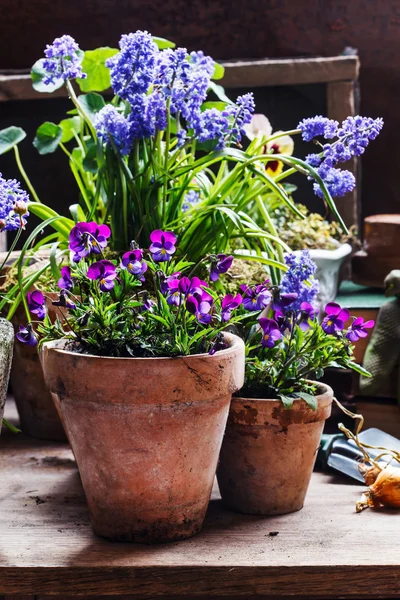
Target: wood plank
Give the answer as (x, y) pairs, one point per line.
(295, 71)
(47, 547)
(19, 87)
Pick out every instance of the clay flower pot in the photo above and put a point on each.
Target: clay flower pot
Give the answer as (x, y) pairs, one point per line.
(146, 434)
(37, 413)
(6, 351)
(268, 453)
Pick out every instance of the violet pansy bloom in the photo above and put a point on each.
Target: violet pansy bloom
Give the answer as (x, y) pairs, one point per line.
(174, 293)
(358, 329)
(271, 332)
(219, 265)
(87, 238)
(133, 262)
(64, 301)
(283, 302)
(255, 298)
(162, 245)
(308, 312)
(37, 304)
(200, 305)
(228, 304)
(105, 272)
(26, 335)
(166, 279)
(336, 316)
(65, 282)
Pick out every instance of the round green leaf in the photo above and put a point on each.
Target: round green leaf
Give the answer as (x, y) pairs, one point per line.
(91, 103)
(219, 71)
(98, 75)
(48, 137)
(218, 105)
(162, 43)
(10, 137)
(38, 73)
(69, 127)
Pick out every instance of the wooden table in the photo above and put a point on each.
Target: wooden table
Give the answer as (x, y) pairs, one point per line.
(47, 548)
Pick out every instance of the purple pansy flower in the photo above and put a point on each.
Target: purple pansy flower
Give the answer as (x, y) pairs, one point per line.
(166, 279)
(228, 304)
(282, 302)
(162, 245)
(105, 272)
(65, 282)
(174, 293)
(220, 264)
(358, 329)
(133, 262)
(271, 332)
(64, 301)
(37, 304)
(256, 298)
(200, 305)
(336, 316)
(26, 335)
(308, 312)
(87, 238)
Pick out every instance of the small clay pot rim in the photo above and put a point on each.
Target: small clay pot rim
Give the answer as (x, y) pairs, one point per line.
(327, 391)
(235, 343)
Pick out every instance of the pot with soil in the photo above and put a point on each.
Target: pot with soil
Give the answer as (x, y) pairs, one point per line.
(268, 453)
(146, 434)
(6, 351)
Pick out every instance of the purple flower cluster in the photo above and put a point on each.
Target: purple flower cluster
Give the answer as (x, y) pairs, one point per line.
(301, 269)
(112, 126)
(105, 272)
(335, 321)
(88, 238)
(191, 199)
(133, 262)
(338, 182)
(256, 298)
(63, 60)
(220, 264)
(13, 205)
(317, 126)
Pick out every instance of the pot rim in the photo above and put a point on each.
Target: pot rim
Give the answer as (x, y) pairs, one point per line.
(338, 253)
(326, 391)
(235, 344)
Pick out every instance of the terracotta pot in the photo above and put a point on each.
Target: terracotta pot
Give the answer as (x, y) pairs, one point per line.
(38, 415)
(268, 453)
(146, 433)
(6, 351)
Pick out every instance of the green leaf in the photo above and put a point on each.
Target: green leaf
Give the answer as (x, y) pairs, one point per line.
(90, 162)
(359, 369)
(10, 137)
(98, 75)
(219, 91)
(11, 427)
(45, 213)
(48, 138)
(77, 213)
(309, 398)
(91, 104)
(218, 105)
(38, 73)
(219, 71)
(53, 262)
(287, 402)
(69, 127)
(162, 43)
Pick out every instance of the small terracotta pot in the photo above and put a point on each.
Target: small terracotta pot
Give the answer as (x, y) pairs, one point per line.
(37, 413)
(6, 351)
(268, 453)
(146, 434)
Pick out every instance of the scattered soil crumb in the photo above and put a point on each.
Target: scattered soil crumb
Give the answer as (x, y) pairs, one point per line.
(56, 461)
(273, 533)
(38, 499)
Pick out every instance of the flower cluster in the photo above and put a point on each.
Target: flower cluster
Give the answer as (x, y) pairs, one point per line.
(63, 61)
(353, 136)
(299, 278)
(13, 205)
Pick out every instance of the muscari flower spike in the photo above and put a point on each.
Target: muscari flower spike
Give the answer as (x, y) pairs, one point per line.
(63, 61)
(13, 205)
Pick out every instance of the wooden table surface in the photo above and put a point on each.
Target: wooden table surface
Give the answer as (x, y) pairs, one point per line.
(47, 548)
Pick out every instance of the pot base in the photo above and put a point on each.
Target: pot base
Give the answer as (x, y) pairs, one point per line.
(155, 533)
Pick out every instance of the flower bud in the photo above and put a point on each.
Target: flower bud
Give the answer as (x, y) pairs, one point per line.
(2, 224)
(20, 208)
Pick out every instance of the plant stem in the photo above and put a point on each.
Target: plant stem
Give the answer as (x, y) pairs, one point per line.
(14, 243)
(79, 108)
(24, 175)
(166, 157)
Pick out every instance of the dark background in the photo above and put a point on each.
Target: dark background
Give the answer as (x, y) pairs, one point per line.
(225, 30)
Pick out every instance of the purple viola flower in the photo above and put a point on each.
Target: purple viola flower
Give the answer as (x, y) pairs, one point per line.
(166, 279)
(336, 316)
(200, 305)
(282, 302)
(133, 262)
(37, 304)
(64, 300)
(162, 245)
(105, 272)
(87, 238)
(148, 305)
(192, 286)
(26, 335)
(65, 282)
(308, 312)
(174, 292)
(358, 329)
(220, 264)
(256, 298)
(271, 332)
(228, 304)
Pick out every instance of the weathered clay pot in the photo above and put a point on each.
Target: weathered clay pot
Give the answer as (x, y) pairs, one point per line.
(6, 351)
(146, 434)
(37, 413)
(268, 453)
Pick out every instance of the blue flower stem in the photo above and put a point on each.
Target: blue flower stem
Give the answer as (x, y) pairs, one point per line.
(280, 134)
(24, 175)
(166, 157)
(79, 108)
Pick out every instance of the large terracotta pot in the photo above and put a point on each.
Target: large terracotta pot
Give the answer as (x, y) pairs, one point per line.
(37, 413)
(146, 434)
(6, 351)
(268, 453)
